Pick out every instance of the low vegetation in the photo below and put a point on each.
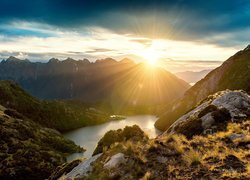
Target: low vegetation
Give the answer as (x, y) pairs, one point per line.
(28, 150)
(213, 156)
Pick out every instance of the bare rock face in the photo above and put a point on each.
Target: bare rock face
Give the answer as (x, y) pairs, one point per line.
(235, 102)
(82, 169)
(115, 160)
(212, 112)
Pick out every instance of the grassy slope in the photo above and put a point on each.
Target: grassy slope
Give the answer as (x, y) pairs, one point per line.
(213, 156)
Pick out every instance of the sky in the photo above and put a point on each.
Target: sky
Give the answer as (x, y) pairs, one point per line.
(194, 34)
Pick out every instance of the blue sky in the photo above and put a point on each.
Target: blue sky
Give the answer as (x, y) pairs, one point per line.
(174, 29)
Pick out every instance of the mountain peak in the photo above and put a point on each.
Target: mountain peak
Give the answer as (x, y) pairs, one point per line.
(69, 59)
(106, 60)
(12, 58)
(16, 60)
(86, 61)
(247, 48)
(53, 60)
(126, 60)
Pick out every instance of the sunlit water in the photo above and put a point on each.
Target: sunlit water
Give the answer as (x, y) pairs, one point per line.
(88, 137)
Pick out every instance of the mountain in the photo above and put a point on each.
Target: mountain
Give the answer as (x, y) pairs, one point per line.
(120, 84)
(59, 115)
(233, 74)
(209, 142)
(192, 76)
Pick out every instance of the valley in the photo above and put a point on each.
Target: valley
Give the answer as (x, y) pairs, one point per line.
(124, 90)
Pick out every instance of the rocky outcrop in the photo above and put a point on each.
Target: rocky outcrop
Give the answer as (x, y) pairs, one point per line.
(233, 74)
(212, 113)
(133, 133)
(64, 169)
(82, 170)
(115, 160)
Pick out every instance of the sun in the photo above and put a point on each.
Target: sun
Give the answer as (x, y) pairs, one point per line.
(150, 55)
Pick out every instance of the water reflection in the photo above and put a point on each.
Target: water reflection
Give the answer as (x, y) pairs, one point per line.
(88, 137)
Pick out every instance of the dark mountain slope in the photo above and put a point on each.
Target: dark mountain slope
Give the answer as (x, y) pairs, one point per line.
(233, 74)
(121, 83)
(60, 115)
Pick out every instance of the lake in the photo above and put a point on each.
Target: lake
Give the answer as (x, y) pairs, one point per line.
(88, 137)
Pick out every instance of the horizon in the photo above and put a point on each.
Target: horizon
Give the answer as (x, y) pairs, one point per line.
(142, 30)
(170, 65)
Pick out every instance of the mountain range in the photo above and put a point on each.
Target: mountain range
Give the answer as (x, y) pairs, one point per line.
(192, 76)
(120, 84)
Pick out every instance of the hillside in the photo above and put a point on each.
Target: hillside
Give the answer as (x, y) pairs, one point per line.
(59, 115)
(119, 84)
(209, 142)
(233, 74)
(29, 150)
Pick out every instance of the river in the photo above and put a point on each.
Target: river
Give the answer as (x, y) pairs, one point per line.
(88, 137)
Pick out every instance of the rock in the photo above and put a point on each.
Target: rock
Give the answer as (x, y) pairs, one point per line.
(82, 169)
(236, 136)
(232, 162)
(235, 102)
(114, 161)
(212, 112)
(248, 146)
(162, 159)
(207, 121)
(64, 169)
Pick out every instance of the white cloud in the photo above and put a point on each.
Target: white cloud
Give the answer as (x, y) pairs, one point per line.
(94, 43)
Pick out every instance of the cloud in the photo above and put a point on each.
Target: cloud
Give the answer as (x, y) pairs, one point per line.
(100, 43)
(195, 20)
(187, 65)
(98, 50)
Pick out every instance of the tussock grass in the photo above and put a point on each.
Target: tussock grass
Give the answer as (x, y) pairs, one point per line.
(192, 157)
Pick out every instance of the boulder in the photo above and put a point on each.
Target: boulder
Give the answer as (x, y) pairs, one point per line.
(235, 136)
(214, 111)
(82, 169)
(64, 169)
(115, 160)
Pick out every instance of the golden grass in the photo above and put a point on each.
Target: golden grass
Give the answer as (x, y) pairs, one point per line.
(192, 157)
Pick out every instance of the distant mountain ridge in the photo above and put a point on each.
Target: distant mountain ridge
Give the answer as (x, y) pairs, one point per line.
(192, 76)
(233, 74)
(119, 82)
